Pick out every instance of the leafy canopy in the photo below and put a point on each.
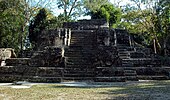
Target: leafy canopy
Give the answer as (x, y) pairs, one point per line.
(11, 19)
(108, 12)
(37, 25)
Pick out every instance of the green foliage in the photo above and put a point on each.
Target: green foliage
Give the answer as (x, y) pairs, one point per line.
(152, 22)
(71, 8)
(108, 12)
(37, 25)
(94, 5)
(11, 19)
(56, 22)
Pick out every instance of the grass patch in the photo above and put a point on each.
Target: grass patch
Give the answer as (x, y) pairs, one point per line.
(130, 90)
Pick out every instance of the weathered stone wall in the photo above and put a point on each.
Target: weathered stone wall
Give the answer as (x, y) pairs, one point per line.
(32, 74)
(49, 57)
(106, 51)
(86, 24)
(43, 66)
(58, 38)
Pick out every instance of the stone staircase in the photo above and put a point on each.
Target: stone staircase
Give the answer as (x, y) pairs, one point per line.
(124, 53)
(135, 59)
(78, 56)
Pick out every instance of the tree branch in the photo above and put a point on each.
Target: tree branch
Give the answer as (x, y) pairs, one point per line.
(72, 7)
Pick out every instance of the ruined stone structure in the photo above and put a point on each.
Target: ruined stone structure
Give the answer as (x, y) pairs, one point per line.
(85, 50)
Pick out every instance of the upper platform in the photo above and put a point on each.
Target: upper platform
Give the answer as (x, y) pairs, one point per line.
(87, 24)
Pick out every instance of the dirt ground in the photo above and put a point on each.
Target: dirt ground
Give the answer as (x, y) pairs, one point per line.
(134, 90)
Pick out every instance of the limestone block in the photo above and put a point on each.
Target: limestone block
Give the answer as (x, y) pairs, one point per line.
(6, 53)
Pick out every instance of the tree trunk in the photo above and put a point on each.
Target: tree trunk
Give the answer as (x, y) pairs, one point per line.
(165, 44)
(164, 47)
(154, 43)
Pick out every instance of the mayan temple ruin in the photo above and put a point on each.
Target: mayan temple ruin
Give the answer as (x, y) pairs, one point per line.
(83, 50)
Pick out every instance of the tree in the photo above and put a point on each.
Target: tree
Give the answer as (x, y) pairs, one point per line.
(94, 5)
(31, 8)
(56, 22)
(108, 12)
(11, 19)
(15, 16)
(71, 8)
(136, 19)
(37, 25)
(150, 18)
(162, 23)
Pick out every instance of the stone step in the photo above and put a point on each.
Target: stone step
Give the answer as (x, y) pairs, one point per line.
(129, 71)
(30, 78)
(67, 65)
(122, 45)
(79, 70)
(155, 77)
(74, 47)
(77, 63)
(130, 74)
(124, 51)
(123, 54)
(77, 78)
(78, 60)
(124, 57)
(80, 51)
(142, 62)
(82, 43)
(77, 37)
(78, 75)
(128, 48)
(137, 59)
(121, 50)
(131, 78)
(83, 39)
(166, 68)
(110, 79)
(77, 55)
(83, 31)
(82, 35)
(78, 48)
(75, 58)
(70, 66)
(85, 45)
(17, 61)
(137, 55)
(127, 65)
(45, 79)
